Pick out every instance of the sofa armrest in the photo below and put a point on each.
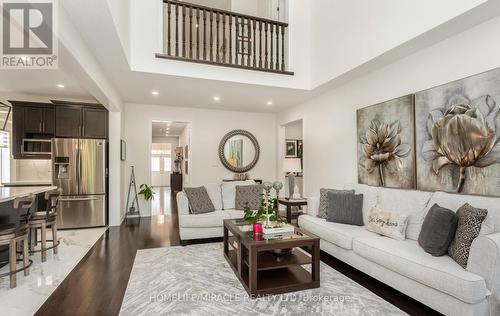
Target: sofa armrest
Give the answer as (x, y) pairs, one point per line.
(313, 206)
(182, 204)
(484, 260)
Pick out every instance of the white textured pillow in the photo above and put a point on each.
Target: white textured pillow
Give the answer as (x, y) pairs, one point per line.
(387, 223)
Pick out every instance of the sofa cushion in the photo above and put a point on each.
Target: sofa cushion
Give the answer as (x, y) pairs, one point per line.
(345, 208)
(213, 219)
(248, 194)
(410, 260)
(235, 214)
(228, 191)
(323, 200)
(213, 190)
(438, 230)
(413, 203)
(199, 201)
(469, 226)
(455, 201)
(341, 235)
(370, 197)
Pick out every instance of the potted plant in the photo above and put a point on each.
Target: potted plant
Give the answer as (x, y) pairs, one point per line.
(253, 217)
(146, 191)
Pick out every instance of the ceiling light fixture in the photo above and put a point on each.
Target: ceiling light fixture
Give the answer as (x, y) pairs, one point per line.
(60, 85)
(216, 98)
(269, 103)
(154, 92)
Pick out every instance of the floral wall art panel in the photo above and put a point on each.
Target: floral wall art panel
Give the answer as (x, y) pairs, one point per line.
(386, 142)
(457, 134)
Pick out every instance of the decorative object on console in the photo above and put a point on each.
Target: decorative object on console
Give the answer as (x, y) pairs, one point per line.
(277, 186)
(248, 195)
(345, 208)
(470, 220)
(291, 166)
(231, 149)
(291, 148)
(457, 133)
(386, 144)
(323, 200)
(387, 223)
(199, 200)
(178, 160)
(438, 230)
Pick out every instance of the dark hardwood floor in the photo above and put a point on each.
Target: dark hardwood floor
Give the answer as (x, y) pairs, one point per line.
(97, 285)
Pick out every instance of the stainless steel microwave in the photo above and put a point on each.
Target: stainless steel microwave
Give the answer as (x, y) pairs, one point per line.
(35, 147)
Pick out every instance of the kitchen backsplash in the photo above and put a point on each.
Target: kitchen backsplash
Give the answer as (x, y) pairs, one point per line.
(27, 169)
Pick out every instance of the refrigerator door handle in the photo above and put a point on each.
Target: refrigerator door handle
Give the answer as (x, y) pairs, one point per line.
(78, 168)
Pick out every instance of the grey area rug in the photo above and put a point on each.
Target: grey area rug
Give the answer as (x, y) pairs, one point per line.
(197, 280)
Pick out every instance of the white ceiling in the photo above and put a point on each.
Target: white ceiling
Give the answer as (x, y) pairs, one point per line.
(165, 128)
(41, 83)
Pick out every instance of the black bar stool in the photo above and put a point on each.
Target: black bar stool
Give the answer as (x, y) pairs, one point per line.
(15, 233)
(43, 220)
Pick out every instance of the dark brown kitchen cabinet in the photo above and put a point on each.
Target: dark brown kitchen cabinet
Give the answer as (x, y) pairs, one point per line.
(95, 122)
(76, 121)
(33, 126)
(68, 121)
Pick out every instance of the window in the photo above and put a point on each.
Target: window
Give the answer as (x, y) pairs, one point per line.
(161, 157)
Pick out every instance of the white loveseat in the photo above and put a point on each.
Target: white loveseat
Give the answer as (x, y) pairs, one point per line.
(438, 282)
(209, 225)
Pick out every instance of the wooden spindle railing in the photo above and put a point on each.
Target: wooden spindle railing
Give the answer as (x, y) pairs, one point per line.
(202, 34)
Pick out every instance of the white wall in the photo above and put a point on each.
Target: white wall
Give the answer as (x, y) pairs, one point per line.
(207, 129)
(346, 34)
(330, 158)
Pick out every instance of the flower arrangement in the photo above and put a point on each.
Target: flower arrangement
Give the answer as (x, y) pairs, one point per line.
(267, 212)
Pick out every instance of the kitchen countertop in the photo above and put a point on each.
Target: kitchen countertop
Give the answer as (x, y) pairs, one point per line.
(27, 183)
(11, 193)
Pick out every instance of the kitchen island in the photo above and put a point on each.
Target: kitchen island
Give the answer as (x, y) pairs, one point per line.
(7, 211)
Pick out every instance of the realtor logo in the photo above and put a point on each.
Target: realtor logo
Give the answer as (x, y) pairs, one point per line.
(28, 34)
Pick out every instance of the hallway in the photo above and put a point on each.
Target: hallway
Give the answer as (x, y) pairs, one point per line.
(162, 202)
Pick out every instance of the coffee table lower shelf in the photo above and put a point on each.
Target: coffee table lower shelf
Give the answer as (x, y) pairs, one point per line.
(288, 278)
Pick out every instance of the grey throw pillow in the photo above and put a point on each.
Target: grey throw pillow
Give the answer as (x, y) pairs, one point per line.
(345, 208)
(469, 226)
(323, 200)
(250, 194)
(438, 230)
(199, 201)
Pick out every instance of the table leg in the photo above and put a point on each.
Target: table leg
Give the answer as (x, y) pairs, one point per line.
(289, 214)
(252, 280)
(226, 240)
(315, 261)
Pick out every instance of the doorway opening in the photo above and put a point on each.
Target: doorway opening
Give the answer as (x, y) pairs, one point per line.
(169, 145)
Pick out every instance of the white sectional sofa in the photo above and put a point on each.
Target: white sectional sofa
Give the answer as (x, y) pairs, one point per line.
(438, 282)
(209, 225)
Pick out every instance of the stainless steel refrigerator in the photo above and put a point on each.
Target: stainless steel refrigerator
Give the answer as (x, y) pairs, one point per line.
(79, 170)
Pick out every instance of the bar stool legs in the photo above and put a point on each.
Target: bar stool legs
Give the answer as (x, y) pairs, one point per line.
(13, 262)
(44, 242)
(54, 238)
(26, 259)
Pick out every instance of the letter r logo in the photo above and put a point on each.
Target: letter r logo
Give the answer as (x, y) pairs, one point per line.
(27, 28)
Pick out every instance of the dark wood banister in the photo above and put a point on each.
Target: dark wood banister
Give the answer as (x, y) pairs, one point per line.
(246, 56)
(240, 15)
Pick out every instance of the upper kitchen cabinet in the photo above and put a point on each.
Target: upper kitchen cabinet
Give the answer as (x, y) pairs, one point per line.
(33, 127)
(74, 120)
(95, 122)
(38, 118)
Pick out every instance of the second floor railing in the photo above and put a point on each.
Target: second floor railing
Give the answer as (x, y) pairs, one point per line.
(202, 34)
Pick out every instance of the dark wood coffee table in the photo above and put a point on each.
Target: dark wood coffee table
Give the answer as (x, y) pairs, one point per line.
(259, 269)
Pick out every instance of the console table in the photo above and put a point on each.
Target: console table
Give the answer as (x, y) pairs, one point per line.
(289, 203)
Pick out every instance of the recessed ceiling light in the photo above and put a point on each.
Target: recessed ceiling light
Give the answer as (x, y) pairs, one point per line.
(60, 85)
(216, 98)
(154, 92)
(269, 103)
